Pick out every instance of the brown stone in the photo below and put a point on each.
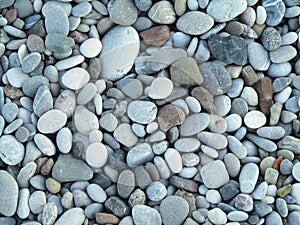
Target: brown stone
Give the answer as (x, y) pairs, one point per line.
(104, 218)
(185, 184)
(249, 75)
(78, 37)
(185, 71)
(152, 170)
(47, 167)
(170, 116)
(11, 15)
(52, 185)
(138, 197)
(38, 29)
(205, 98)
(265, 94)
(156, 36)
(12, 92)
(40, 162)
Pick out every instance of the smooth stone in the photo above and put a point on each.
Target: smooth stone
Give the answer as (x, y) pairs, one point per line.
(160, 88)
(31, 62)
(248, 177)
(273, 219)
(142, 214)
(223, 11)
(109, 122)
(223, 105)
(67, 63)
(12, 151)
(23, 209)
(16, 77)
(271, 175)
(213, 196)
(86, 94)
(44, 144)
(51, 121)
(283, 54)
(82, 9)
(237, 147)
(263, 143)
(170, 116)
(249, 75)
(208, 174)
(290, 143)
(139, 155)
(6, 4)
(275, 11)
(31, 85)
(194, 124)
(9, 112)
(272, 132)
(123, 12)
(142, 112)
(59, 43)
(216, 79)
(96, 193)
(73, 216)
(174, 210)
(35, 43)
(254, 119)
(295, 171)
(229, 49)
(91, 47)
(250, 95)
(123, 134)
(36, 201)
(133, 88)
(56, 21)
(271, 38)
(260, 191)
(244, 202)
(262, 209)
(258, 56)
(24, 8)
(43, 101)
(232, 164)
(213, 140)
(192, 23)
(84, 120)
(143, 5)
(75, 78)
(126, 183)
(261, 15)
(156, 191)
(293, 218)
(106, 218)
(93, 153)
(234, 122)
(25, 174)
(9, 194)
(217, 216)
(114, 48)
(162, 12)
(280, 83)
(64, 140)
(173, 159)
(67, 169)
(236, 88)
(156, 36)
(66, 102)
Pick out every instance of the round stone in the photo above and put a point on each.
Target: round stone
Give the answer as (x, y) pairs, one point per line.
(195, 23)
(123, 13)
(271, 38)
(217, 216)
(160, 88)
(255, 119)
(96, 155)
(234, 122)
(12, 151)
(293, 218)
(31, 62)
(91, 47)
(244, 202)
(214, 174)
(213, 196)
(283, 54)
(74, 216)
(75, 78)
(96, 193)
(193, 124)
(36, 201)
(139, 154)
(142, 112)
(156, 191)
(162, 12)
(142, 214)
(174, 210)
(51, 121)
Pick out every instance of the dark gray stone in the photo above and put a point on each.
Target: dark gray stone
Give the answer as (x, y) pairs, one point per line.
(117, 206)
(271, 38)
(230, 190)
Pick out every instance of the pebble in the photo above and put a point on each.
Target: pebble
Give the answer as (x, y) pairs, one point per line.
(156, 36)
(273, 218)
(258, 56)
(210, 139)
(91, 47)
(124, 135)
(261, 15)
(105, 218)
(215, 9)
(51, 121)
(36, 202)
(192, 23)
(67, 169)
(144, 23)
(160, 88)
(244, 202)
(123, 13)
(229, 49)
(250, 95)
(272, 132)
(16, 77)
(185, 71)
(6, 4)
(139, 154)
(84, 120)
(35, 43)
(142, 214)
(96, 193)
(283, 54)
(194, 124)
(173, 159)
(295, 171)
(23, 209)
(56, 21)
(174, 210)
(73, 216)
(237, 147)
(271, 39)
(9, 195)
(248, 177)
(217, 216)
(293, 218)
(254, 119)
(93, 153)
(126, 182)
(170, 116)
(59, 43)
(262, 209)
(120, 49)
(63, 65)
(64, 140)
(31, 62)
(75, 78)
(12, 151)
(275, 11)
(213, 196)
(117, 206)
(44, 144)
(162, 12)
(290, 143)
(208, 174)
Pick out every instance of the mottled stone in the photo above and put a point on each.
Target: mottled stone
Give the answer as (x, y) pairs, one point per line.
(156, 36)
(162, 12)
(170, 116)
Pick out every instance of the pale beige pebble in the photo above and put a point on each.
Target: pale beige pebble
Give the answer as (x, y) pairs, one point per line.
(160, 88)
(217, 124)
(96, 154)
(255, 119)
(101, 86)
(261, 15)
(95, 136)
(91, 47)
(194, 104)
(174, 160)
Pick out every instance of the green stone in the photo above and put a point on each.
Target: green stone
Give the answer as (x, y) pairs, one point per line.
(271, 176)
(180, 7)
(284, 191)
(123, 12)
(228, 191)
(59, 43)
(162, 12)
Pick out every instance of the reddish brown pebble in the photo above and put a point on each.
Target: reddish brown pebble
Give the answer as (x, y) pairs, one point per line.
(156, 36)
(170, 116)
(265, 94)
(277, 163)
(105, 218)
(249, 76)
(11, 15)
(205, 98)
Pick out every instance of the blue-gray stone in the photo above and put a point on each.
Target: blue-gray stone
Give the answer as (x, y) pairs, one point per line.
(275, 11)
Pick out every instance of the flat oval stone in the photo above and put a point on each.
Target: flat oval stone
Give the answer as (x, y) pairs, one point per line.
(96, 155)
(43, 101)
(82, 9)
(263, 143)
(75, 78)
(173, 159)
(84, 120)
(248, 177)
(31, 85)
(66, 102)
(56, 21)
(44, 144)
(217, 216)
(193, 124)
(283, 54)
(142, 112)
(96, 193)
(272, 132)
(236, 147)
(139, 154)
(126, 183)
(91, 47)
(9, 194)
(68, 63)
(120, 49)
(86, 94)
(156, 36)
(275, 11)
(223, 11)
(232, 164)
(187, 144)
(255, 119)
(160, 88)
(124, 135)
(194, 23)
(73, 216)
(214, 140)
(142, 214)
(258, 56)
(123, 12)
(64, 140)
(214, 174)
(51, 121)
(12, 151)
(162, 12)
(31, 62)
(16, 77)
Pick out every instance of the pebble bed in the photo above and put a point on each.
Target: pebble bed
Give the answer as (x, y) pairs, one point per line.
(141, 112)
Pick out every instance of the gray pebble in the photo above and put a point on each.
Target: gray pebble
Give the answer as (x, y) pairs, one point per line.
(64, 140)
(23, 209)
(273, 133)
(237, 147)
(12, 151)
(73, 216)
(84, 120)
(119, 9)
(248, 177)
(208, 174)
(56, 21)
(82, 9)
(31, 62)
(36, 201)
(31, 85)
(44, 144)
(142, 214)
(258, 56)
(156, 191)
(126, 183)
(139, 155)
(263, 143)
(273, 218)
(283, 54)
(275, 11)
(10, 111)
